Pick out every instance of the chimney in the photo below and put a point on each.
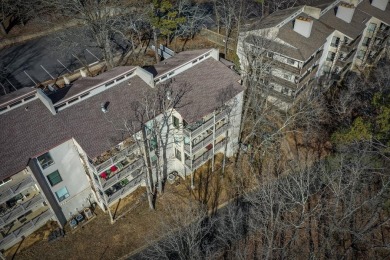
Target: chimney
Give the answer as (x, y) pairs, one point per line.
(66, 80)
(303, 25)
(83, 74)
(380, 4)
(345, 12)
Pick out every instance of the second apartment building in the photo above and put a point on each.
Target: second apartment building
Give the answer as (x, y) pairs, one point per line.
(305, 44)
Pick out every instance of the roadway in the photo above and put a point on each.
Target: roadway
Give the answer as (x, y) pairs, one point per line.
(45, 58)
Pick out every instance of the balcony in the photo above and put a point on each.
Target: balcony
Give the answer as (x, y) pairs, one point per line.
(27, 228)
(116, 156)
(281, 65)
(205, 156)
(122, 188)
(342, 62)
(278, 95)
(206, 139)
(308, 77)
(383, 34)
(23, 208)
(11, 190)
(311, 62)
(283, 82)
(123, 170)
(192, 131)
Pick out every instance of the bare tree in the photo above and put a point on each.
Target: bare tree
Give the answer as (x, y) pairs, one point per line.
(106, 22)
(188, 234)
(153, 115)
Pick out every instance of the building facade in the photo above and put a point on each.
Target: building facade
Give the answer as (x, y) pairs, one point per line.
(84, 144)
(295, 46)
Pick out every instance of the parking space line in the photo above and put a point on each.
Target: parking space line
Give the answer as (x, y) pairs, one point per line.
(92, 54)
(30, 77)
(10, 84)
(64, 66)
(47, 72)
(5, 92)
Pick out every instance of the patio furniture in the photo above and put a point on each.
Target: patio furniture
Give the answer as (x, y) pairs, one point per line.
(103, 175)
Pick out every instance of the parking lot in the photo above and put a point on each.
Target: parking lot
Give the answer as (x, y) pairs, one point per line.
(38, 60)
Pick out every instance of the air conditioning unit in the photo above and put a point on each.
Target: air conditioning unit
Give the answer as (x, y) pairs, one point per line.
(88, 213)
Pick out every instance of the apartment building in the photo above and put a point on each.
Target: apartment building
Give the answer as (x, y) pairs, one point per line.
(304, 44)
(83, 144)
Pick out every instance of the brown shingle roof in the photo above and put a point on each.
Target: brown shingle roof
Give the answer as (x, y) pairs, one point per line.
(306, 46)
(18, 94)
(208, 80)
(27, 133)
(175, 61)
(301, 47)
(366, 7)
(352, 29)
(272, 19)
(274, 46)
(83, 84)
(96, 131)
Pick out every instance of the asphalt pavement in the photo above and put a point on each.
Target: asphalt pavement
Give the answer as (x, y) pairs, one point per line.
(45, 58)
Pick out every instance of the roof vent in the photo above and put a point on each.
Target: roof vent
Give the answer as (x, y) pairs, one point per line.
(104, 107)
(345, 12)
(380, 4)
(303, 25)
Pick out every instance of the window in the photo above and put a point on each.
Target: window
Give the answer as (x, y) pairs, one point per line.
(54, 178)
(154, 160)
(176, 122)
(291, 61)
(285, 90)
(178, 154)
(153, 144)
(45, 160)
(366, 41)
(5, 181)
(149, 127)
(326, 69)
(62, 194)
(361, 54)
(270, 55)
(330, 56)
(346, 40)
(16, 103)
(335, 41)
(371, 27)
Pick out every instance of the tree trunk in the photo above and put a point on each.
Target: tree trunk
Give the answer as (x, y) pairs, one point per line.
(155, 40)
(149, 173)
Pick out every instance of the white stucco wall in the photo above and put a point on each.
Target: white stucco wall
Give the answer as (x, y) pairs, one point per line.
(74, 178)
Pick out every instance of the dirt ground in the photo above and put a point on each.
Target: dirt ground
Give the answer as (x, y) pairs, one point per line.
(134, 222)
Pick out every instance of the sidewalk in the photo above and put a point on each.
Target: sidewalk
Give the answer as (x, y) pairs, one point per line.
(19, 39)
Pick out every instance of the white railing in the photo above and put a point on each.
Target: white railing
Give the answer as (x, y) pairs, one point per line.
(21, 209)
(123, 173)
(121, 155)
(122, 191)
(15, 189)
(35, 223)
